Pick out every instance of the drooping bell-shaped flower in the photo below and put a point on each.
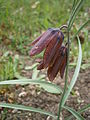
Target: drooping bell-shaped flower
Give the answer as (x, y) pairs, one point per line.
(58, 64)
(44, 40)
(54, 57)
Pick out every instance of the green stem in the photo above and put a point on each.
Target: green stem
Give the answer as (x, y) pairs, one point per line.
(76, 7)
(66, 78)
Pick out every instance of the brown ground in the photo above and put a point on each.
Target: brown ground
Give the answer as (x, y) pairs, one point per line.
(36, 97)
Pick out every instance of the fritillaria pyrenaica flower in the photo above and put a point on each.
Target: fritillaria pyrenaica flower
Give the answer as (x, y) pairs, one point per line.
(55, 55)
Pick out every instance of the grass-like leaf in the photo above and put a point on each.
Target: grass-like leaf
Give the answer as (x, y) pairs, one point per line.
(74, 13)
(76, 114)
(50, 87)
(88, 21)
(22, 107)
(74, 78)
(73, 7)
(80, 111)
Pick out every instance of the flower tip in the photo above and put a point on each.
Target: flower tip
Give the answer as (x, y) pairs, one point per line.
(61, 76)
(50, 78)
(40, 66)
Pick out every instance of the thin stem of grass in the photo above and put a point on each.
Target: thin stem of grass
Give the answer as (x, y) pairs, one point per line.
(66, 78)
(73, 7)
(74, 13)
(80, 111)
(88, 21)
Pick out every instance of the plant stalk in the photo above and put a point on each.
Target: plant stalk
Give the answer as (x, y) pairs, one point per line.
(66, 77)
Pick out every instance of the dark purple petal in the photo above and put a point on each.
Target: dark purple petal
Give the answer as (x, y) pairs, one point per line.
(59, 51)
(37, 39)
(58, 64)
(52, 49)
(40, 66)
(38, 47)
(62, 70)
(63, 65)
(48, 54)
(43, 42)
(49, 74)
(53, 70)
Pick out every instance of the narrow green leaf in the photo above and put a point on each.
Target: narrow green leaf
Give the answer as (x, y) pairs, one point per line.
(74, 78)
(73, 7)
(31, 67)
(74, 3)
(50, 89)
(84, 108)
(75, 12)
(80, 111)
(88, 21)
(76, 114)
(35, 73)
(51, 86)
(22, 107)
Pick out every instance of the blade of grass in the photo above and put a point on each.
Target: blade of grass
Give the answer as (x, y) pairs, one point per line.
(84, 108)
(74, 14)
(74, 3)
(53, 87)
(35, 73)
(22, 107)
(75, 114)
(80, 111)
(73, 7)
(74, 78)
(81, 28)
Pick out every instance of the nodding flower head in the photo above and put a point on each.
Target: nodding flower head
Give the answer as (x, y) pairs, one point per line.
(51, 36)
(54, 57)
